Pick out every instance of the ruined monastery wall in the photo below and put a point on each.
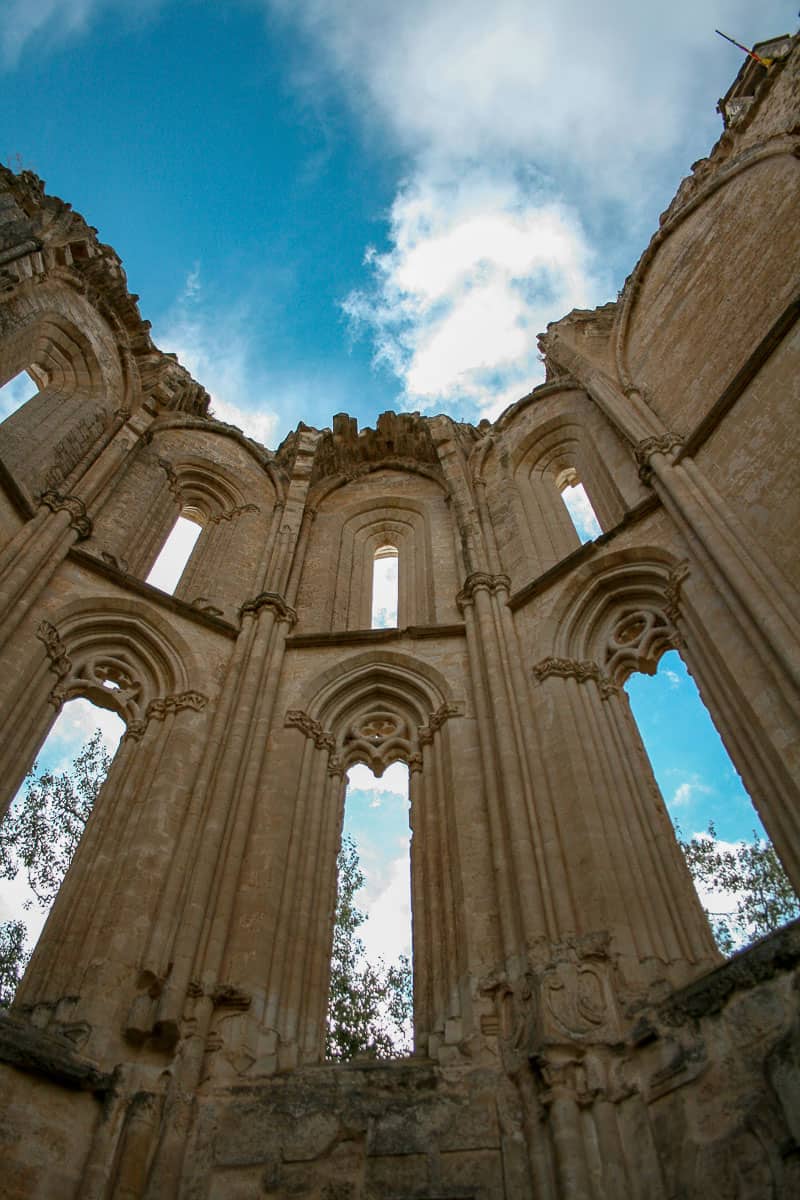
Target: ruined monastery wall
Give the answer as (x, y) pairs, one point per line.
(577, 1036)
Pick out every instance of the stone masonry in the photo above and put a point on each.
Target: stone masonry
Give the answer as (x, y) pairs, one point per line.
(577, 1036)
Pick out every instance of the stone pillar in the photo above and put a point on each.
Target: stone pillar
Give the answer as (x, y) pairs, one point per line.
(626, 872)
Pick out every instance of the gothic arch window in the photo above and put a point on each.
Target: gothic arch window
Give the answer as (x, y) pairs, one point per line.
(375, 855)
(385, 587)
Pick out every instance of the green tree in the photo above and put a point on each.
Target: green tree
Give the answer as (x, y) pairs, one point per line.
(370, 1006)
(39, 837)
(13, 958)
(765, 899)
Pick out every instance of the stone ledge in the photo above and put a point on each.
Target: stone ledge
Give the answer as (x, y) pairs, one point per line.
(299, 641)
(132, 583)
(777, 953)
(28, 1049)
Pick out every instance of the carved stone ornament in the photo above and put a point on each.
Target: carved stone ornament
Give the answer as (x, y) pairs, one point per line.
(672, 592)
(70, 504)
(60, 662)
(637, 642)
(571, 668)
(436, 721)
(273, 601)
(297, 719)
(172, 478)
(230, 513)
(378, 738)
(481, 581)
(661, 443)
(163, 705)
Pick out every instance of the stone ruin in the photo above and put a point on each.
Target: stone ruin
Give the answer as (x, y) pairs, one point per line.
(577, 1035)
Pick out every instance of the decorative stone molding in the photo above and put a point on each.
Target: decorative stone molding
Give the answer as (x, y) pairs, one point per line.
(637, 642)
(56, 651)
(78, 519)
(414, 762)
(644, 450)
(273, 601)
(436, 721)
(230, 513)
(297, 719)
(571, 668)
(481, 581)
(336, 766)
(672, 593)
(172, 478)
(163, 705)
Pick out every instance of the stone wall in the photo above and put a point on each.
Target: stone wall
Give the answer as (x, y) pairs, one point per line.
(575, 1033)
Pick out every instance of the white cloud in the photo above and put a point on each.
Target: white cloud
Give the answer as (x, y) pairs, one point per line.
(503, 111)
(478, 265)
(393, 782)
(686, 792)
(674, 679)
(387, 931)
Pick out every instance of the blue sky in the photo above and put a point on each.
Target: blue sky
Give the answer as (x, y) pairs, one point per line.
(353, 205)
(328, 205)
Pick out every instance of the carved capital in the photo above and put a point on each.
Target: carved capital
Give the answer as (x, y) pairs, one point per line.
(160, 707)
(672, 592)
(662, 443)
(436, 721)
(414, 762)
(78, 519)
(230, 513)
(481, 581)
(571, 668)
(56, 651)
(273, 601)
(335, 765)
(297, 719)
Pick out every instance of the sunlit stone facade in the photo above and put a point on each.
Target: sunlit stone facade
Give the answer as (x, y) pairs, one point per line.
(576, 1035)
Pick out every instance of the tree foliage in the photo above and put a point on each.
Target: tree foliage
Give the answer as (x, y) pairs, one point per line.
(752, 873)
(13, 958)
(370, 1006)
(39, 837)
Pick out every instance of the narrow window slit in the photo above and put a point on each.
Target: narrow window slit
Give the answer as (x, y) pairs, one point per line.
(166, 571)
(385, 587)
(578, 505)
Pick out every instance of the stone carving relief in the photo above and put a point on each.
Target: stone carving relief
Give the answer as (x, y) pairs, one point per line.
(111, 681)
(571, 668)
(78, 519)
(272, 602)
(636, 643)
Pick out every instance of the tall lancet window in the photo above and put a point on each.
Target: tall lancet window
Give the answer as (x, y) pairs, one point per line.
(384, 587)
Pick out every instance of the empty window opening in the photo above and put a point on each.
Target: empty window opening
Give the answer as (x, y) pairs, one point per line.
(370, 1007)
(384, 587)
(44, 824)
(15, 393)
(166, 571)
(578, 505)
(711, 810)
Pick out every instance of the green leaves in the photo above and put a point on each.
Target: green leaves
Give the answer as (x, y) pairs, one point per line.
(39, 837)
(751, 877)
(370, 1006)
